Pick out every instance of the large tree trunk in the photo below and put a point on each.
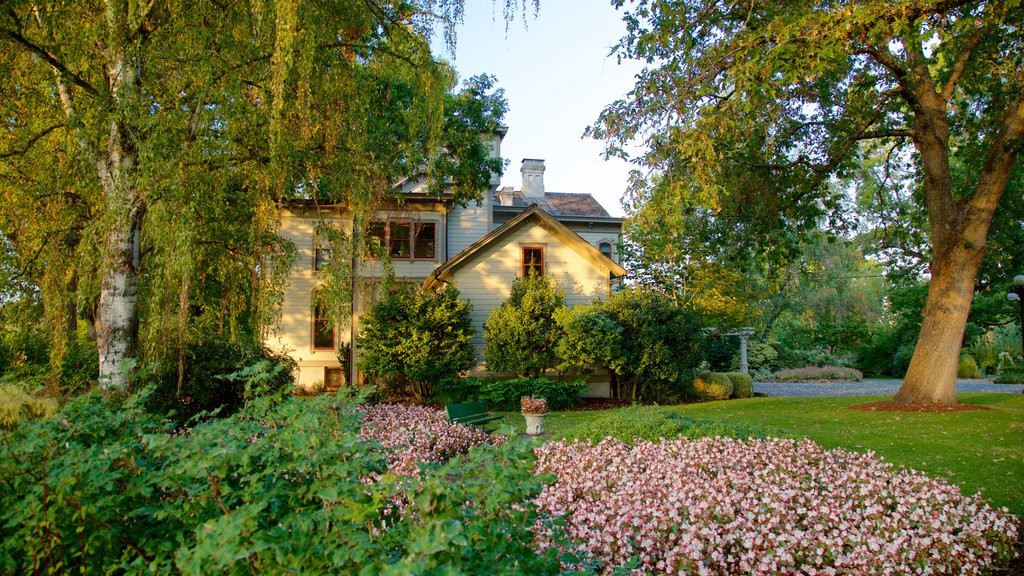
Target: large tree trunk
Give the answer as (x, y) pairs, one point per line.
(931, 377)
(118, 315)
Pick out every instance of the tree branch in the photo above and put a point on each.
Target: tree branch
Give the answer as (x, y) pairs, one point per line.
(961, 63)
(52, 60)
(31, 142)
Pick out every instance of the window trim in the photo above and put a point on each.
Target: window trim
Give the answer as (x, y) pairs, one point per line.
(522, 260)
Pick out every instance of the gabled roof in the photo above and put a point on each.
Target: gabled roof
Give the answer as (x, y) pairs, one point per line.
(557, 203)
(533, 214)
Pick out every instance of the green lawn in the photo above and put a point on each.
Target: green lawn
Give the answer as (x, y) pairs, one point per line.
(981, 450)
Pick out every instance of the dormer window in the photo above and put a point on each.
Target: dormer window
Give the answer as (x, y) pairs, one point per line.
(605, 248)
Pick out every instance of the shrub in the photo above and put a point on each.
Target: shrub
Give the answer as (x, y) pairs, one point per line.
(722, 506)
(742, 384)
(986, 348)
(817, 373)
(968, 368)
(454, 390)
(18, 403)
(414, 338)
(284, 483)
(760, 355)
(640, 336)
(504, 395)
(651, 423)
(210, 380)
(1010, 374)
(795, 357)
(80, 369)
(712, 386)
(520, 335)
(901, 360)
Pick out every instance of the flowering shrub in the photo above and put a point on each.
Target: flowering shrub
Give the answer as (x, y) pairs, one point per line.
(531, 405)
(724, 506)
(817, 373)
(418, 434)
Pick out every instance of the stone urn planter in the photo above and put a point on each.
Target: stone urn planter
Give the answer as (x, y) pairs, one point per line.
(534, 410)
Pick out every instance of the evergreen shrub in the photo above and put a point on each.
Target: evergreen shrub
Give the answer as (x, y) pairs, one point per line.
(520, 335)
(504, 395)
(742, 384)
(712, 386)
(651, 423)
(968, 368)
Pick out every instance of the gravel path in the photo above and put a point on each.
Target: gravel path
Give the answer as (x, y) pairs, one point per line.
(869, 388)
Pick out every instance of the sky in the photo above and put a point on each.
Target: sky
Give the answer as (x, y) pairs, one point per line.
(557, 75)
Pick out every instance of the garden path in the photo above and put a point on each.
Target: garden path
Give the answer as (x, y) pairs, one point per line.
(873, 387)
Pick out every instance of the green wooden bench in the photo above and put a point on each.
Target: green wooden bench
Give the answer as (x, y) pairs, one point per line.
(470, 413)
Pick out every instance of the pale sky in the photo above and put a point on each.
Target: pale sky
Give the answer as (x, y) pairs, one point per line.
(557, 77)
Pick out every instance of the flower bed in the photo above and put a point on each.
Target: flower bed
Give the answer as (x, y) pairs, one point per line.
(810, 373)
(724, 506)
(418, 434)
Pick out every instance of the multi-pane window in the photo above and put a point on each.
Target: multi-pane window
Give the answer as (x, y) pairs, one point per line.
(332, 378)
(605, 248)
(424, 240)
(533, 261)
(321, 254)
(404, 240)
(323, 328)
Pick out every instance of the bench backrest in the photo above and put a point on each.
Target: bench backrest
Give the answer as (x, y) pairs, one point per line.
(466, 409)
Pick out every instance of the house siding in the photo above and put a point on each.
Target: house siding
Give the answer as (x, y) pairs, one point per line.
(487, 280)
(466, 225)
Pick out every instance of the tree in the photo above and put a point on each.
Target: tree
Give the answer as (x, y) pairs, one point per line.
(125, 121)
(640, 336)
(520, 335)
(796, 89)
(417, 337)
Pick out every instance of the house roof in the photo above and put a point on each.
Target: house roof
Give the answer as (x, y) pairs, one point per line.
(533, 214)
(556, 203)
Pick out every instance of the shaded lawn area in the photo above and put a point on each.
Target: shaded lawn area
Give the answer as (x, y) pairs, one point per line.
(981, 450)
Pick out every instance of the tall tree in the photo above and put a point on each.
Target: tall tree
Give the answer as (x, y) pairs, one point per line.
(129, 125)
(809, 82)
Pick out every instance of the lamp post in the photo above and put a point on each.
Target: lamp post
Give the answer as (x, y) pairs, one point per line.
(1016, 294)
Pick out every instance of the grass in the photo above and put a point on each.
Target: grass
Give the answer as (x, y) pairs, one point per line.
(982, 450)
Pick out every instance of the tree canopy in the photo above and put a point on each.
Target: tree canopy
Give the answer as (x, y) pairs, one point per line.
(757, 107)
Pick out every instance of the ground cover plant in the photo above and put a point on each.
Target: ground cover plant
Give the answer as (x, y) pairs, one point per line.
(652, 423)
(726, 506)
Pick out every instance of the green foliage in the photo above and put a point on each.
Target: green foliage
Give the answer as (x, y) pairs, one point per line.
(520, 335)
(415, 338)
(742, 384)
(901, 359)
(210, 380)
(1009, 374)
(711, 386)
(18, 403)
(285, 483)
(638, 335)
(811, 373)
(79, 368)
(504, 395)
(652, 423)
(988, 347)
(968, 368)
(760, 356)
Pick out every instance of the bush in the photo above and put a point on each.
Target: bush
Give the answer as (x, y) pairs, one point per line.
(640, 336)
(651, 423)
(968, 368)
(284, 484)
(742, 384)
(1010, 374)
(712, 386)
(795, 358)
(414, 338)
(80, 368)
(759, 356)
(504, 395)
(520, 335)
(901, 360)
(210, 380)
(17, 403)
(811, 373)
(721, 506)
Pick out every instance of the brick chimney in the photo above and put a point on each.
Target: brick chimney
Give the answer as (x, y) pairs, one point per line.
(533, 178)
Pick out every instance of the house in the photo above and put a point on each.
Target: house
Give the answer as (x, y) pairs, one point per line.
(481, 247)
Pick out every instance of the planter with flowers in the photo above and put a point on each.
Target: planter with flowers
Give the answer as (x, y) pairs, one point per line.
(534, 410)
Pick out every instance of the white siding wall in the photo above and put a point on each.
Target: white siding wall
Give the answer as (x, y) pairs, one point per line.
(469, 224)
(595, 239)
(487, 279)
